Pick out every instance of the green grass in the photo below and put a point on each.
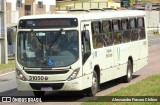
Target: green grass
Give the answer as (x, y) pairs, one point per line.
(11, 64)
(147, 87)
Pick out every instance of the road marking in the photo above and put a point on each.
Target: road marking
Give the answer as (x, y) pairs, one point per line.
(7, 73)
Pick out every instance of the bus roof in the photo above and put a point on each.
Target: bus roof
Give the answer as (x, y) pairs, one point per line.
(90, 15)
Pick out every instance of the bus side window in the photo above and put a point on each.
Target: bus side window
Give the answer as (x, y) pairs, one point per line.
(97, 36)
(96, 27)
(141, 28)
(117, 37)
(134, 32)
(107, 32)
(125, 31)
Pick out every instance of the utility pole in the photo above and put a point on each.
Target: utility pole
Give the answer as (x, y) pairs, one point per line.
(3, 33)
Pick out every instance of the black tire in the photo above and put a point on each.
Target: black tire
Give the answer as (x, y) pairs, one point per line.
(39, 93)
(128, 76)
(94, 88)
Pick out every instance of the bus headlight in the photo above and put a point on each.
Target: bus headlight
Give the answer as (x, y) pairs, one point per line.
(74, 74)
(20, 75)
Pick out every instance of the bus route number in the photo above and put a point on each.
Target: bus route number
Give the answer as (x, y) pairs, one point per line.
(36, 78)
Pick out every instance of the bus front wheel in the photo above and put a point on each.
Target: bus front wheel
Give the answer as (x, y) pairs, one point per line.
(128, 77)
(94, 88)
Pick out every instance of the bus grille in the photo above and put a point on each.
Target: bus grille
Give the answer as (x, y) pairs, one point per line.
(46, 72)
(55, 86)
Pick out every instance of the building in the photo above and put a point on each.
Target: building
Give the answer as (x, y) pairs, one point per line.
(79, 4)
(17, 8)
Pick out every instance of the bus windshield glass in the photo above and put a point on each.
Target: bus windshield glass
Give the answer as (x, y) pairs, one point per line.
(47, 48)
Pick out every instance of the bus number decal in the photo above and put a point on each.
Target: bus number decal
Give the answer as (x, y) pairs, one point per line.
(36, 78)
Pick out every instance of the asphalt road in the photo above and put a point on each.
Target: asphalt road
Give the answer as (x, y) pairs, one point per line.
(8, 82)
(154, 40)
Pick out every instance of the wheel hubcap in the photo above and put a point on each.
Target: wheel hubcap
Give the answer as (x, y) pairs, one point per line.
(94, 84)
(129, 73)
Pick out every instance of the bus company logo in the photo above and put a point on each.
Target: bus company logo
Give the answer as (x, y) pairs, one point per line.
(6, 99)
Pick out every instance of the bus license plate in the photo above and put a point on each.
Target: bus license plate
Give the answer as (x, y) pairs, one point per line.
(46, 89)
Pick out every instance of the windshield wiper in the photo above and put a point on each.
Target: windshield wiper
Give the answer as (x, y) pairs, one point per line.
(38, 43)
(59, 34)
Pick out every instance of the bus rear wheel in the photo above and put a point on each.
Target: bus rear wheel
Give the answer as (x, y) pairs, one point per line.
(38, 93)
(94, 88)
(128, 77)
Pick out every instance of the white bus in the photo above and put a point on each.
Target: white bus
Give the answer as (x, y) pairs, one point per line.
(79, 51)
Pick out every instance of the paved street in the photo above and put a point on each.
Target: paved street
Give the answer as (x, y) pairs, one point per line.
(153, 40)
(8, 83)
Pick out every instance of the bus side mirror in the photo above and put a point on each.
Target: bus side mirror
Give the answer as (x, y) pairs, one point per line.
(85, 34)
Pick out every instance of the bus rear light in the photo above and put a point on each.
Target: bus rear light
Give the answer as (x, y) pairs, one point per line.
(74, 74)
(20, 75)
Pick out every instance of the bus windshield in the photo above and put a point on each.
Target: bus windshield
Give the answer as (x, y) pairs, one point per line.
(47, 48)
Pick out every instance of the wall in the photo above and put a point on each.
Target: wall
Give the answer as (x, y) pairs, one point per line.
(13, 2)
(47, 4)
(16, 12)
(13, 12)
(114, 5)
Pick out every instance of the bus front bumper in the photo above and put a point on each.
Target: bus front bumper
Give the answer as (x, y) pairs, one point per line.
(73, 85)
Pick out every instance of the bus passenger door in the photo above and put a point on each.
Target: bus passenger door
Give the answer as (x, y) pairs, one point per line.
(86, 54)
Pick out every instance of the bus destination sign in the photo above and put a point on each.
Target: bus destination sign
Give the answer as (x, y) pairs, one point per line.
(48, 23)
